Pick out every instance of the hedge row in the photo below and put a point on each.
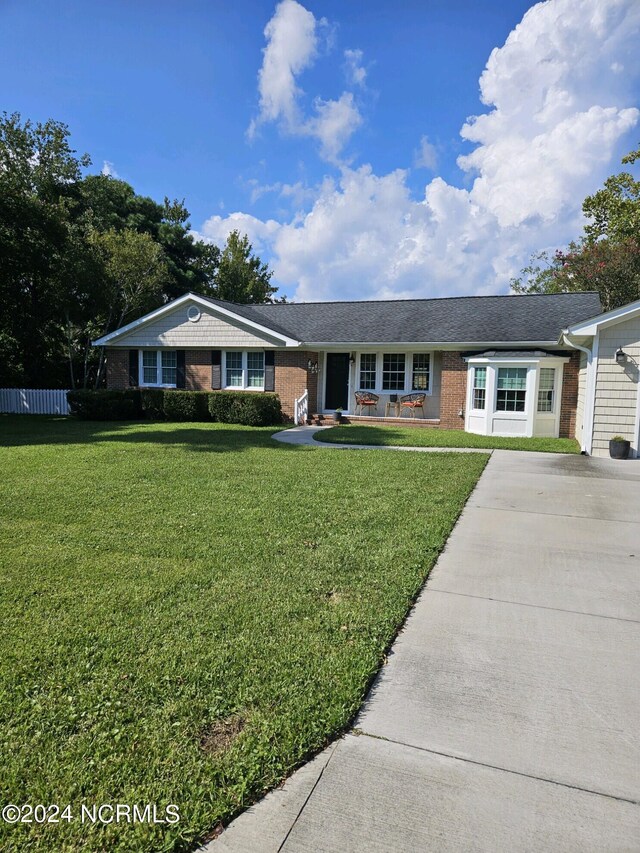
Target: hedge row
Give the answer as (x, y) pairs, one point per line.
(228, 407)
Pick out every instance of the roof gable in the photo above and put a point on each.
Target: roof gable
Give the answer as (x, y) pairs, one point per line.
(170, 325)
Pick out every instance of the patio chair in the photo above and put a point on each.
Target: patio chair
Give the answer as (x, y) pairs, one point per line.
(411, 402)
(366, 401)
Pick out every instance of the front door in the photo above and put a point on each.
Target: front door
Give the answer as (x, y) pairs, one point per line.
(336, 389)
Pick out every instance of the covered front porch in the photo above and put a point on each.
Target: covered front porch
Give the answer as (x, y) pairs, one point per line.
(377, 385)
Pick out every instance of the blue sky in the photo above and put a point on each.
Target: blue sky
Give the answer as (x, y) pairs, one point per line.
(331, 132)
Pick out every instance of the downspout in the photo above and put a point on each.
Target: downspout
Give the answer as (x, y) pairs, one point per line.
(589, 396)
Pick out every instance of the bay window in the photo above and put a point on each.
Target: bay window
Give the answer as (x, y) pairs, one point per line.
(244, 369)
(514, 393)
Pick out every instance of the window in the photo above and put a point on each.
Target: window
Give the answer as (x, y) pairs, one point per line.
(150, 367)
(159, 367)
(169, 367)
(234, 370)
(393, 371)
(255, 370)
(368, 371)
(546, 389)
(421, 372)
(479, 387)
(244, 369)
(512, 389)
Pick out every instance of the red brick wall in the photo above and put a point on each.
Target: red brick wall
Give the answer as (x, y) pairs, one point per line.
(453, 390)
(117, 368)
(292, 377)
(569, 401)
(197, 369)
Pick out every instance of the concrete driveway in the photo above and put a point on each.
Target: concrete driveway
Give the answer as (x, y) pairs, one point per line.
(506, 718)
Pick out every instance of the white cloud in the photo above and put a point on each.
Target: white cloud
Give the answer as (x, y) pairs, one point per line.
(356, 74)
(292, 46)
(426, 156)
(108, 169)
(558, 112)
(334, 124)
(216, 229)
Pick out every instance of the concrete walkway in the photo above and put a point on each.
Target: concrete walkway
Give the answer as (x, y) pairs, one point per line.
(306, 435)
(506, 718)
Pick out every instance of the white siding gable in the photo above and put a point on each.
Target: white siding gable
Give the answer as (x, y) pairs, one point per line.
(174, 329)
(616, 400)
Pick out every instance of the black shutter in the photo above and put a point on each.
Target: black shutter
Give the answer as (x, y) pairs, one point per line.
(269, 371)
(180, 371)
(216, 369)
(134, 379)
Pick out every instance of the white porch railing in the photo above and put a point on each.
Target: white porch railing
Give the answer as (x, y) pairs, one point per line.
(301, 408)
(32, 401)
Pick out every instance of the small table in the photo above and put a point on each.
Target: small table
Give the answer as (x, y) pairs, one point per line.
(396, 408)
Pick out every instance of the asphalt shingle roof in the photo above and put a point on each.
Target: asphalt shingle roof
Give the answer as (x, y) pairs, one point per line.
(491, 319)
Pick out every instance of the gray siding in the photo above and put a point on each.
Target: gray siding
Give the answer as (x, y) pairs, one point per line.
(616, 397)
(176, 330)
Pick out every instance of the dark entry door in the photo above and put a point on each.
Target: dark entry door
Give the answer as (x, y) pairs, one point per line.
(336, 394)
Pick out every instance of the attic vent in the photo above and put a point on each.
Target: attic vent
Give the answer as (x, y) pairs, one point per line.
(193, 314)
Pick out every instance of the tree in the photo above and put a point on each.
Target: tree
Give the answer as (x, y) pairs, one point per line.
(39, 172)
(82, 254)
(241, 276)
(136, 273)
(607, 256)
(111, 203)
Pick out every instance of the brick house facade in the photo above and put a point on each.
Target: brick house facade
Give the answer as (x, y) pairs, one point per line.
(204, 340)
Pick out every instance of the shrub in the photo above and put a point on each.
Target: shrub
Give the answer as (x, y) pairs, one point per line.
(105, 405)
(248, 408)
(186, 406)
(229, 407)
(152, 403)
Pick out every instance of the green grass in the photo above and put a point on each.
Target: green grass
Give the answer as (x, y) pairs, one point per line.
(428, 437)
(162, 583)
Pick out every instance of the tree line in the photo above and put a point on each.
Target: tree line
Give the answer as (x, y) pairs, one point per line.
(82, 254)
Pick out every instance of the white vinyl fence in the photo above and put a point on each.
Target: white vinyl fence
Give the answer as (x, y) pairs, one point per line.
(31, 401)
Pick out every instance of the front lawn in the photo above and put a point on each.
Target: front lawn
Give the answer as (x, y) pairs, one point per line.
(432, 437)
(188, 611)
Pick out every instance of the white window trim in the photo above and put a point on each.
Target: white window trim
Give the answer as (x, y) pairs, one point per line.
(554, 392)
(142, 383)
(245, 375)
(472, 388)
(408, 371)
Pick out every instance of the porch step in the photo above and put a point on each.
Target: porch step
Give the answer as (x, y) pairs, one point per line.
(319, 419)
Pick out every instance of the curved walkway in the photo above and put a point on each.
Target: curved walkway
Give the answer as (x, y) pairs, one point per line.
(305, 435)
(505, 718)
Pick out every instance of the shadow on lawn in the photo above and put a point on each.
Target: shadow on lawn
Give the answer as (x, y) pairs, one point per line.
(31, 430)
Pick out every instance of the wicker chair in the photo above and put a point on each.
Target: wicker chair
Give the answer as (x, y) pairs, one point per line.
(411, 402)
(366, 401)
